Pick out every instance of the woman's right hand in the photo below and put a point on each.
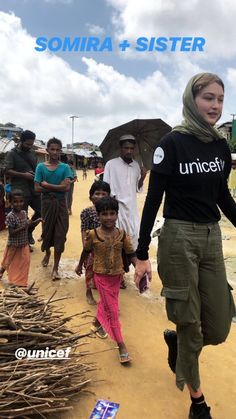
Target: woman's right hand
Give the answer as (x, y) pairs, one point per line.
(142, 267)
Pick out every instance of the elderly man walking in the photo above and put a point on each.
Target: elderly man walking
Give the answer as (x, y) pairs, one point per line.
(126, 179)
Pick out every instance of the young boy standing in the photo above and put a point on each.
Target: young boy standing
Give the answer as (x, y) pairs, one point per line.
(53, 180)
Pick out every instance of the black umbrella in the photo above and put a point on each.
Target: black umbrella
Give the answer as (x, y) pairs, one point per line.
(147, 132)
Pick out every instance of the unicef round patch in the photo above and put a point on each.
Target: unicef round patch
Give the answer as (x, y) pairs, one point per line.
(158, 155)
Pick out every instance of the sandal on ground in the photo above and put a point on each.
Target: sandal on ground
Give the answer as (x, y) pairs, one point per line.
(125, 358)
(99, 331)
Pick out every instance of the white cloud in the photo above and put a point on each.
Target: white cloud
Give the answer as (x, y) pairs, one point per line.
(39, 91)
(95, 29)
(213, 19)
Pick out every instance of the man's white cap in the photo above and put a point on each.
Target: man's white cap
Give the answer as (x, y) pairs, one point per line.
(127, 137)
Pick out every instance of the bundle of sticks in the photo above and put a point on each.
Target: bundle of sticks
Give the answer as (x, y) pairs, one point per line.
(36, 386)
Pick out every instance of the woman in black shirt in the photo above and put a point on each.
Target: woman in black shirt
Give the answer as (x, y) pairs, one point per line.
(191, 166)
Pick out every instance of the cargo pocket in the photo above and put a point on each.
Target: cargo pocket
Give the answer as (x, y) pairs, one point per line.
(178, 305)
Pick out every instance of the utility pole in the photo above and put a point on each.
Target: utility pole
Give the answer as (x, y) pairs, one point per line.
(72, 130)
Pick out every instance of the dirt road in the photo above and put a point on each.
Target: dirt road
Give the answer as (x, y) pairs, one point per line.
(146, 389)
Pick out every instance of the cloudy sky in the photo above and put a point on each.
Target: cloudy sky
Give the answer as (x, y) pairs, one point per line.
(40, 90)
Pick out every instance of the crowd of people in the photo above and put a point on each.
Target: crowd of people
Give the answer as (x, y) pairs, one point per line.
(191, 167)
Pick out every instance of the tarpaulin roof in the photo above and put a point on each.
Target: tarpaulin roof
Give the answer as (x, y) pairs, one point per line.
(86, 153)
(6, 145)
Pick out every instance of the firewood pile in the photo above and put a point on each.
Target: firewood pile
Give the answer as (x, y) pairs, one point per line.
(35, 386)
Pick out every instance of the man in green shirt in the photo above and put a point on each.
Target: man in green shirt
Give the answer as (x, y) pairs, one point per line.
(21, 163)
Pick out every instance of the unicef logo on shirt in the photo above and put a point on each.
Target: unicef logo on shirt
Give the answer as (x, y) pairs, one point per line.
(158, 155)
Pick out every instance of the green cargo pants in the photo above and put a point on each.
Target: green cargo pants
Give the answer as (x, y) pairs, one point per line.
(198, 296)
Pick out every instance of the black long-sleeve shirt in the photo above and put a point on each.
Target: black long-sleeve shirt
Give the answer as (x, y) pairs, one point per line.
(193, 176)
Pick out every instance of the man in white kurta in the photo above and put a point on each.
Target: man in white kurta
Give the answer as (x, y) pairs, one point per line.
(126, 179)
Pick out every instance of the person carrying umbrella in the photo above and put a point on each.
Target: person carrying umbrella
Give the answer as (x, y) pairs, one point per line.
(126, 179)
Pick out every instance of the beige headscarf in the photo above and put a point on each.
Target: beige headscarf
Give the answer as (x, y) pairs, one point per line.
(193, 122)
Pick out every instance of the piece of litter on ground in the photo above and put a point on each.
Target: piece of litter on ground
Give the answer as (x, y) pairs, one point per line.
(104, 409)
(234, 319)
(225, 237)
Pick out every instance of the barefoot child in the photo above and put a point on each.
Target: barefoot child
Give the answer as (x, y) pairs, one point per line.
(84, 173)
(16, 259)
(52, 179)
(89, 221)
(107, 242)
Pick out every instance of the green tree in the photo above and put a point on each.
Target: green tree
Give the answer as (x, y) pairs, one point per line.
(232, 145)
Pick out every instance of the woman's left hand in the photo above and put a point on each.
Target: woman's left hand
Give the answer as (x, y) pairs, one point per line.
(142, 267)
